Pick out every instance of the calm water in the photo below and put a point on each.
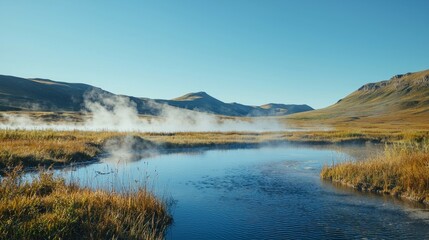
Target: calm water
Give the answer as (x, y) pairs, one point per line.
(265, 193)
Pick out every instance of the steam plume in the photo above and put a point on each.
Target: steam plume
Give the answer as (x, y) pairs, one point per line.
(118, 113)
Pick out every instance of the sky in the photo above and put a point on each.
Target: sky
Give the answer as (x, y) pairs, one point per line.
(251, 52)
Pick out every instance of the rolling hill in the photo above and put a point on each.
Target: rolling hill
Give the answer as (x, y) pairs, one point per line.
(21, 94)
(400, 101)
(27, 94)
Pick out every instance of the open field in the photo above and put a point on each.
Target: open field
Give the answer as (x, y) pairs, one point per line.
(410, 119)
(49, 208)
(402, 170)
(33, 148)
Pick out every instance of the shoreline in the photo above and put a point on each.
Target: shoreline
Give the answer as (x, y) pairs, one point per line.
(62, 149)
(402, 171)
(172, 148)
(402, 197)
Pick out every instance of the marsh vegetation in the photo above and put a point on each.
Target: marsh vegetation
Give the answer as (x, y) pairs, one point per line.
(402, 170)
(49, 208)
(32, 148)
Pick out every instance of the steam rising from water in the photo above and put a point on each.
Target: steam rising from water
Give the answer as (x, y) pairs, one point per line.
(117, 113)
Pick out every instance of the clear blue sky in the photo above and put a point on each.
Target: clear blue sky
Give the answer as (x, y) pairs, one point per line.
(252, 52)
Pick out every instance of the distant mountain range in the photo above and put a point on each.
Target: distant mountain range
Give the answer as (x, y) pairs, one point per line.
(21, 94)
(203, 102)
(403, 98)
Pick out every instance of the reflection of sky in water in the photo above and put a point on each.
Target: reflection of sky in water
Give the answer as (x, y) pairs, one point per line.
(266, 193)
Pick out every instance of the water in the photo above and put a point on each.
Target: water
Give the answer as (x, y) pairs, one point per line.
(264, 193)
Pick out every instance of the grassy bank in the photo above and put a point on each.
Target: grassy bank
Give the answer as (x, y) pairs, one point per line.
(49, 208)
(33, 148)
(403, 170)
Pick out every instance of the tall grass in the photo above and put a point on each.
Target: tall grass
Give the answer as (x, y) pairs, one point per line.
(49, 208)
(402, 170)
(33, 148)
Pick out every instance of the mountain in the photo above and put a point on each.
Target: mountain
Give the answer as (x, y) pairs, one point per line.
(26, 94)
(404, 98)
(201, 101)
(21, 94)
(276, 109)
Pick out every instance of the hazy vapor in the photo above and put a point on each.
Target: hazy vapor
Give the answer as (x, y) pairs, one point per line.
(118, 113)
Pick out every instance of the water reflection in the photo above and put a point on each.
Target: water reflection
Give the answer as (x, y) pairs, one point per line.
(261, 193)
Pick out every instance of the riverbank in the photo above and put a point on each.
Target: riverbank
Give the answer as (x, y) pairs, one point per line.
(402, 170)
(49, 208)
(59, 148)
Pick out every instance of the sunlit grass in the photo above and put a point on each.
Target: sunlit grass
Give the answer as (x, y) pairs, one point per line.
(402, 170)
(32, 148)
(46, 147)
(49, 208)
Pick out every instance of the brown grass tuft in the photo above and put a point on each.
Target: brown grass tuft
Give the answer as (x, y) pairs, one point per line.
(402, 170)
(49, 208)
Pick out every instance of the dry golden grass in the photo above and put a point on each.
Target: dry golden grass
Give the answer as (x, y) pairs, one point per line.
(49, 208)
(45, 147)
(402, 170)
(411, 119)
(32, 148)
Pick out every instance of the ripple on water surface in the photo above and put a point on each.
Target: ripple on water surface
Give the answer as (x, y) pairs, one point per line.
(268, 193)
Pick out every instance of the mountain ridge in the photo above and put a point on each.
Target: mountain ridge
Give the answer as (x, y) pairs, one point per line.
(404, 98)
(39, 94)
(202, 101)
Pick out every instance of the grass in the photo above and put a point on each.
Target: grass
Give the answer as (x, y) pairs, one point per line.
(47, 147)
(402, 170)
(49, 208)
(33, 148)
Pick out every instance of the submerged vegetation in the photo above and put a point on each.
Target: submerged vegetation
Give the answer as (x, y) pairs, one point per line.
(402, 170)
(49, 208)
